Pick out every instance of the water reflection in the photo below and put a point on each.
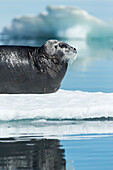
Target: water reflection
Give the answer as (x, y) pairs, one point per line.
(44, 154)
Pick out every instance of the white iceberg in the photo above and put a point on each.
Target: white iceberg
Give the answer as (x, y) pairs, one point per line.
(59, 22)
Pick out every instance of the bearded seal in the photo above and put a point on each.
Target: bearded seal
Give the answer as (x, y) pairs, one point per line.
(26, 69)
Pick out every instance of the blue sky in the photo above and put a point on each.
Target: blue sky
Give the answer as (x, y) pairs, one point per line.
(102, 9)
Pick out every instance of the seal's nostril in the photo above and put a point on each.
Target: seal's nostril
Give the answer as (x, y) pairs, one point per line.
(75, 50)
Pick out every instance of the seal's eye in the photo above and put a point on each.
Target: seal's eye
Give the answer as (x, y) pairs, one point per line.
(56, 46)
(63, 45)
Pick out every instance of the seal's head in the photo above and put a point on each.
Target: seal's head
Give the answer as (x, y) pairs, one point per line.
(61, 50)
(52, 58)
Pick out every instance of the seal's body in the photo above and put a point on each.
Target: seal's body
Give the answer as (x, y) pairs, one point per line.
(32, 69)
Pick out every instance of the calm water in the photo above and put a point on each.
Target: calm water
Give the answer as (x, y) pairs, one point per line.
(71, 145)
(89, 153)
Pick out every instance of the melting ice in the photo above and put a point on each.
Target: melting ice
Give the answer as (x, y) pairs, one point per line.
(61, 22)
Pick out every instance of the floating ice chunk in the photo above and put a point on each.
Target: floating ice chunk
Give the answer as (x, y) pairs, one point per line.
(59, 21)
(60, 105)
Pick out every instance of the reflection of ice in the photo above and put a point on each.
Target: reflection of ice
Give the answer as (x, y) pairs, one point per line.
(59, 21)
(57, 130)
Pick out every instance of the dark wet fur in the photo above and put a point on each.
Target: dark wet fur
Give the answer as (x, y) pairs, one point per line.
(30, 70)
